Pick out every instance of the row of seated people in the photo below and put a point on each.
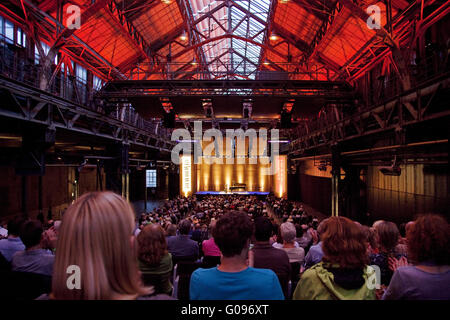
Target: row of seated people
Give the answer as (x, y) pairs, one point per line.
(97, 236)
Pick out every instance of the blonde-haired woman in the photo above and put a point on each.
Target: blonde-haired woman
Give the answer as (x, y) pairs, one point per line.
(97, 236)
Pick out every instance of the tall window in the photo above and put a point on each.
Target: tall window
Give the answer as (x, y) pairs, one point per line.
(151, 178)
(2, 29)
(21, 38)
(9, 31)
(81, 74)
(97, 83)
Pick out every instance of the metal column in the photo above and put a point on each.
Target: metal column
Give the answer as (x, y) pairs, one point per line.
(336, 175)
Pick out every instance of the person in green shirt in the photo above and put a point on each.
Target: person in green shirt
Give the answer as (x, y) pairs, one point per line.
(343, 273)
(155, 262)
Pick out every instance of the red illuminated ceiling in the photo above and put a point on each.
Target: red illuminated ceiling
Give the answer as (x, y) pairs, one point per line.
(202, 39)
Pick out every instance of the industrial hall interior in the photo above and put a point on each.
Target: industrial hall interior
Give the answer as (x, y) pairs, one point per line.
(224, 150)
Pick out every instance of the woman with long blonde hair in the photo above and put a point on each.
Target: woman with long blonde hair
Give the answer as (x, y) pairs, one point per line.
(96, 235)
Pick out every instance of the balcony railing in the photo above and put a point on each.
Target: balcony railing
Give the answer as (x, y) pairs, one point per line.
(15, 65)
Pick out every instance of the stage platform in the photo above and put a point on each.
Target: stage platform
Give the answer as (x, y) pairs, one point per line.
(260, 195)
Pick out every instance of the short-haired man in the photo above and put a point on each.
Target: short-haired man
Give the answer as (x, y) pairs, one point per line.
(267, 257)
(34, 259)
(181, 247)
(13, 243)
(233, 279)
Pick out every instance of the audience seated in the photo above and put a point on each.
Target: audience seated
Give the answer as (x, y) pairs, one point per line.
(210, 249)
(171, 230)
(428, 278)
(343, 272)
(315, 253)
(3, 230)
(293, 250)
(96, 235)
(155, 262)
(245, 253)
(234, 279)
(181, 246)
(387, 235)
(267, 257)
(12, 243)
(34, 258)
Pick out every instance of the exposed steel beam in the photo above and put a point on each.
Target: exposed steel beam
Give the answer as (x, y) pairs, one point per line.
(228, 36)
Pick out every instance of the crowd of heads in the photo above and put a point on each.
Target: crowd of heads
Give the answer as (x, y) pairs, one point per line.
(101, 235)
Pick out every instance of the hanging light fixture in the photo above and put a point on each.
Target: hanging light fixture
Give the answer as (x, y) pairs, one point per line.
(194, 62)
(183, 36)
(273, 37)
(166, 1)
(266, 62)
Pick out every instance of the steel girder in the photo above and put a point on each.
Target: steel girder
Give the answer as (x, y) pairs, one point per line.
(186, 11)
(394, 115)
(37, 106)
(72, 42)
(130, 31)
(330, 90)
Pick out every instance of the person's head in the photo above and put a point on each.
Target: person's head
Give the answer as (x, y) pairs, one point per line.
(371, 236)
(429, 240)
(288, 232)
(408, 227)
(388, 235)
(376, 223)
(321, 227)
(96, 235)
(31, 233)
(152, 245)
(184, 226)
(344, 243)
(171, 230)
(232, 233)
(14, 226)
(263, 229)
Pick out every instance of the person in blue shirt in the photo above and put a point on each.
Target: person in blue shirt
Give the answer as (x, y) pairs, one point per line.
(315, 253)
(233, 279)
(13, 243)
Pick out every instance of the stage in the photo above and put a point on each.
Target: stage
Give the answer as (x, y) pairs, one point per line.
(244, 193)
(260, 195)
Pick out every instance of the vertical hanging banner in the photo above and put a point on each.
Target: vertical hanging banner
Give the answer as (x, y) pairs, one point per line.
(280, 178)
(186, 175)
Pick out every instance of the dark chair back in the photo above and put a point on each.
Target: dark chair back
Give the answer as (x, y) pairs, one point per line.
(284, 282)
(157, 281)
(184, 272)
(210, 261)
(295, 276)
(24, 285)
(4, 264)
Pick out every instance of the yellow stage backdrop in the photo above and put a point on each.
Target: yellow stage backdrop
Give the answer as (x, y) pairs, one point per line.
(214, 174)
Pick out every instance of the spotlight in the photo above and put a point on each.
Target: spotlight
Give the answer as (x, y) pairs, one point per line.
(273, 37)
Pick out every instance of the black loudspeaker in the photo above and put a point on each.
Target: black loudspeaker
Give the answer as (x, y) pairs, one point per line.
(169, 119)
(286, 120)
